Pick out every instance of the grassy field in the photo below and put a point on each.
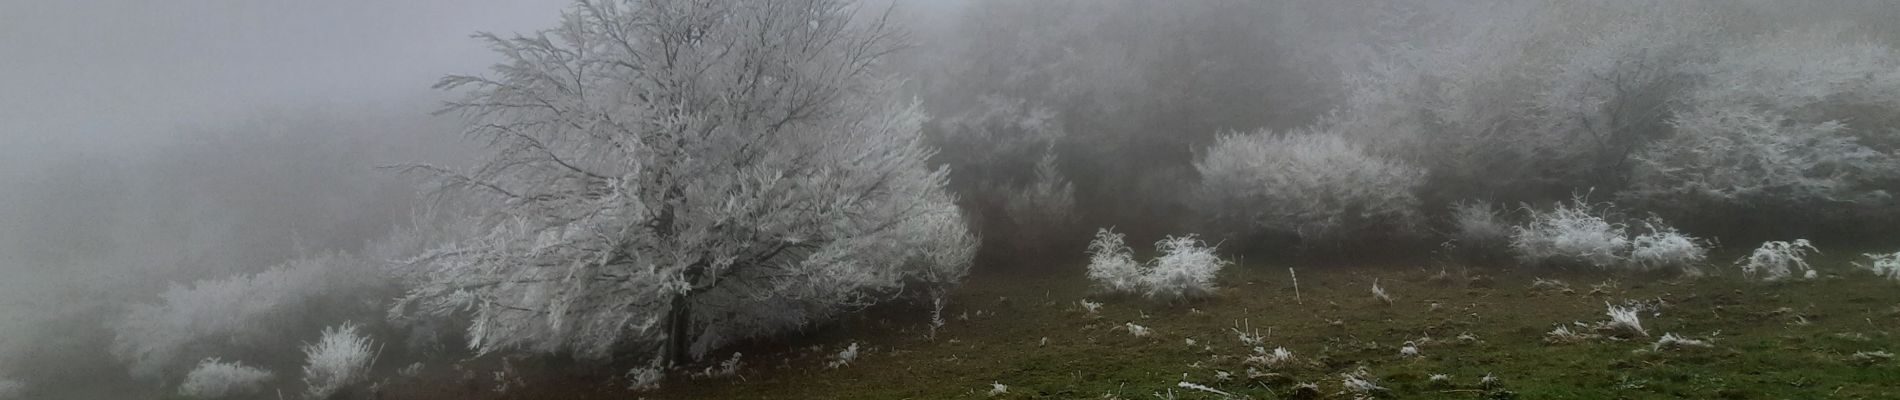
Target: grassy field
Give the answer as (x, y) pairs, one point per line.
(1769, 341)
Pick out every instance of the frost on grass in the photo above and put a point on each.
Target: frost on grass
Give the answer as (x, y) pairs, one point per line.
(1574, 233)
(1884, 265)
(342, 357)
(1186, 267)
(1864, 358)
(1623, 321)
(1379, 293)
(217, 379)
(1359, 384)
(1247, 335)
(845, 357)
(1777, 260)
(1672, 342)
(1262, 357)
(1549, 285)
(1203, 388)
(1091, 307)
(1562, 334)
(1138, 330)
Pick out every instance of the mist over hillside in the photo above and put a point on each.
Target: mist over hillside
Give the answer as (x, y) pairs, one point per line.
(354, 199)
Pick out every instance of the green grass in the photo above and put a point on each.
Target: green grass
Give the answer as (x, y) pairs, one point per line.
(1771, 340)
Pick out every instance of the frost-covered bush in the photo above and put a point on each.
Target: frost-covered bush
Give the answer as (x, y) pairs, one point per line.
(1185, 268)
(342, 357)
(256, 312)
(1312, 183)
(1777, 260)
(1112, 264)
(1662, 246)
(1479, 229)
(1885, 265)
(216, 379)
(1574, 233)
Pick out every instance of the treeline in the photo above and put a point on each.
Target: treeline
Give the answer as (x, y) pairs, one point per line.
(1319, 125)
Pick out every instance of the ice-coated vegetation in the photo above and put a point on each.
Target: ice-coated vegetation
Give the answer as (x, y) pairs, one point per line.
(1112, 264)
(1777, 260)
(1662, 246)
(263, 309)
(1044, 209)
(1884, 265)
(1624, 321)
(643, 187)
(341, 358)
(217, 379)
(1479, 230)
(1573, 233)
(726, 195)
(1314, 184)
(1185, 268)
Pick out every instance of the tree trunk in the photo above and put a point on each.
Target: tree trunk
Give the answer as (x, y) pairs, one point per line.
(679, 322)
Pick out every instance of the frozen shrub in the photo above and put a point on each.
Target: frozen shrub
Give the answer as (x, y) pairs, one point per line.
(1478, 229)
(1313, 183)
(1777, 260)
(1664, 247)
(1574, 233)
(342, 357)
(257, 310)
(1112, 265)
(1884, 265)
(1186, 267)
(216, 379)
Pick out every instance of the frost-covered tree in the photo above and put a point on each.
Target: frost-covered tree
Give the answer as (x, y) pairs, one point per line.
(1796, 123)
(677, 175)
(1314, 184)
(1043, 210)
(1527, 100)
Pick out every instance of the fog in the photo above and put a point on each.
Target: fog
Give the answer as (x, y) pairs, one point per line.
(146, 145)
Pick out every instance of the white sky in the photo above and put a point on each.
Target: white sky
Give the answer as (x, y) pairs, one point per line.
(124, 73)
